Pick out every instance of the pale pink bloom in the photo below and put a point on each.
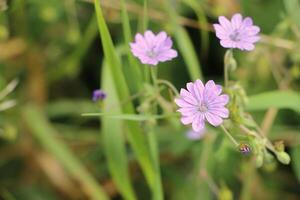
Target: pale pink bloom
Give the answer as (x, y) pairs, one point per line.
(201, 103)
(193, 135)
(238, 33)
(152, 49)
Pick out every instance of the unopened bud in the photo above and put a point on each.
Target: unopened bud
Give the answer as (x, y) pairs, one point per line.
(259, 160)
(244, 148)
(283, 157)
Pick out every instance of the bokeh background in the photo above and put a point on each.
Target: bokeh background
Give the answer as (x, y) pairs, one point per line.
(53, 51)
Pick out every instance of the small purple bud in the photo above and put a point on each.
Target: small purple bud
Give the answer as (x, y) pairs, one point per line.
(99, 95)
(244, 148)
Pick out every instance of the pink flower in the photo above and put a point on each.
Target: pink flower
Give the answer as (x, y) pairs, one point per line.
(238, 33)
(192, 135)
(201, 103)
(152, 49)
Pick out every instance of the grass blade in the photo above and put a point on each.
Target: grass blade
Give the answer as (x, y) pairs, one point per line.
(185, 45)
(113, 138)
(276, 99)
(43, 132)
(134, 68)
(135, 135)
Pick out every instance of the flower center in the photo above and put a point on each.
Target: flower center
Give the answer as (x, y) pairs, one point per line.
(151, 52)
(235, 36)
(202, 108)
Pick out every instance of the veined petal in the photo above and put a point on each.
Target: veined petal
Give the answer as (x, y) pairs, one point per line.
(187, 119)
(236, 21)
(225, 23)
(199, 89)
(198, 123)
(221, 112)
(213, 119)
(182, 103)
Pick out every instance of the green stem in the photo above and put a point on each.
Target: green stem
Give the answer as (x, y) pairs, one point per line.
(158, 192)
(154, 77)
(227, 58)
(170, 85)
(229, 136)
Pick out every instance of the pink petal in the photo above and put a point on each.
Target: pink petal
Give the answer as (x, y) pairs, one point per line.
(218, 89)
(248, 46)
(220, 32)
(247, 21)
(150, 38)
(188, 97)
(199, 89)
(213, 119)
(190, 87)
(198, 123)
(227, 43)
(219, 111)
(210, 91)
(161, 37)
(167, 43)
(253, 30)
(236, 21)
(182, 103)
(187, 119)
(252, 39)
(225, 23)
(188, 111)
(140, 40)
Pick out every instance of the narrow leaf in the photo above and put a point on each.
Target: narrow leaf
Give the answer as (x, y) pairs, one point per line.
(276, 99)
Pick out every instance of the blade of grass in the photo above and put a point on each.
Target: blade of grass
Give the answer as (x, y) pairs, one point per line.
(135, 135)
(44, 133)
(113, 138)
(70, 65)
(185, 45)
(135, 71)
(131, 117)
(202, 21)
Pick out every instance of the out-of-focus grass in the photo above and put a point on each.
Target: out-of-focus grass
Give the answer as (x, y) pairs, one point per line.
(53, 49)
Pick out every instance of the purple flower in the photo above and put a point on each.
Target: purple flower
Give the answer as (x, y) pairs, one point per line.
(152, 49)
(238, 33)
(99, 95)
(201, 103)
(192, 135)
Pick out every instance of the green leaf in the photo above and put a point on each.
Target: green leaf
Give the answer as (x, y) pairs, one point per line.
(135, 135)
(70, 66)
(113, 138)
(276, 99)
(185, 45)
(296, 161)
(131, 117)
(202, 21)
(134, 67)
(41, 129)
(292, 7)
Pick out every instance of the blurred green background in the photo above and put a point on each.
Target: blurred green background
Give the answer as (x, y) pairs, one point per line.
(52, 48)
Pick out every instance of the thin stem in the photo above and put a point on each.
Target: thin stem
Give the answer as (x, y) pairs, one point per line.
(146, 73)
(227, 58)
(158, 194)
(154, 76)
(230, 136)
(170, 85)
(269, 145)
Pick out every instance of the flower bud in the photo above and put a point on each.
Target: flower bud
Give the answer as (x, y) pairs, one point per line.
(259, 160)
(283, 157)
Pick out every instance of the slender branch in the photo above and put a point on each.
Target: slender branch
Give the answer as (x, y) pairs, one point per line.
(229, 136)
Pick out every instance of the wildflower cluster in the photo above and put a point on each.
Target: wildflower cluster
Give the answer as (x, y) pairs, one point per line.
(203, 102)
